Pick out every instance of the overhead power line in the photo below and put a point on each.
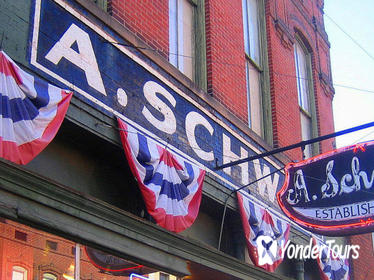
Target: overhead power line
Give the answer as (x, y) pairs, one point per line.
(296, 145)
(350, 37)
(226, 63)
(354, 88)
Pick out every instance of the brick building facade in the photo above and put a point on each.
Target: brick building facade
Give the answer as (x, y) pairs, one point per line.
(226, 71)
(211, 80)
(361, 267)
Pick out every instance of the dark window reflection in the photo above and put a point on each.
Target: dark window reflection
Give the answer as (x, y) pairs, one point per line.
(30, 254)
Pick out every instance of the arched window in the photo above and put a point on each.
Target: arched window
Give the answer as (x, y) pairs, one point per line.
(49, 276)
(19, 273)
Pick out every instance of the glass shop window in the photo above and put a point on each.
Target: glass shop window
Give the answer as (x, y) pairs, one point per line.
(38, 257)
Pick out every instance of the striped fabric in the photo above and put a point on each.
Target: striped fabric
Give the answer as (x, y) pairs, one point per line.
(266, 235)
(31, 112)
(331, 267)
(171, 186)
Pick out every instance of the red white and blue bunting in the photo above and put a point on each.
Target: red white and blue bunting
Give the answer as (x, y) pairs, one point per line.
(31, 112)
(266, 234)
(171, 186)
(331, 267)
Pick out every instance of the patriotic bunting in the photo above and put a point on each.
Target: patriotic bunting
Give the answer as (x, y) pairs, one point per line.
(171, 186)
(331, 267)
(266, 235)
(31, 112)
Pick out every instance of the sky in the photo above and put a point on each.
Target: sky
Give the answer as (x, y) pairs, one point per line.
(350, 27)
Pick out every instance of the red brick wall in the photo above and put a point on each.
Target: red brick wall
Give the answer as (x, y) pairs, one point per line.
(226, 60)
(284, 20)
(225, 55)
(148, 19)
(283, 88)
(14, 253)
(362, 268)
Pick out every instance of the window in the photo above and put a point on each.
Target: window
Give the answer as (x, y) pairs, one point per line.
(26, 261)
(19, 273)
(180, 36)
(161, 276)
(187, 39)
(304, 87)
(20, 235)
(49, 276)
(254, 62)
(164, 276)
(251, 30)
(51, 245)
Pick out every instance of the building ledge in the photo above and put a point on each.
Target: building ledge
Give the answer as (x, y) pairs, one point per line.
(47, 205)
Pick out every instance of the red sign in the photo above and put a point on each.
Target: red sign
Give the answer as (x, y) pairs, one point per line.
(115, 265)
(333, 193)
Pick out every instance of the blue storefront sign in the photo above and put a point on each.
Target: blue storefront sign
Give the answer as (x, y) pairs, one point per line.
(77, 51)
(332, 194)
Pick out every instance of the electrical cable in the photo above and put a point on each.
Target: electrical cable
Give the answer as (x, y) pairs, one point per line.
(366, 135)
(226, 63)
(230, 64)
(350, 37)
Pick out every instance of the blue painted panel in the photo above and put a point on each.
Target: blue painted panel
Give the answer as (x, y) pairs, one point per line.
(118, 71)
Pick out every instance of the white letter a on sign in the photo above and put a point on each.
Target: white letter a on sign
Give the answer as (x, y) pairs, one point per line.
(85, 59)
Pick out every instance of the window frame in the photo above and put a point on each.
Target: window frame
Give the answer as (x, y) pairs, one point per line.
(252, 116)
(199, 69)
(266, 125)
(19, 269)
(54, 276)
(308, 111)
(51, 245)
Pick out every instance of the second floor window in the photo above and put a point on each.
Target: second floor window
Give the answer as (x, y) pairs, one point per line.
(181, 38)
(187, 45)
(303, 74)
(252, 47)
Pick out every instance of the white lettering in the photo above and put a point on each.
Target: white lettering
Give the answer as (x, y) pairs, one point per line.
(284, 247)
(307, 251)
(355, 254)
(85, 59)
(291, 251)
(229, 156)
(300, 189)
(318, 250)
(357, 177)
(193, 119)
(169, 123)
(329, 244)
(339, 213)
(266, 184)
(331, 187)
